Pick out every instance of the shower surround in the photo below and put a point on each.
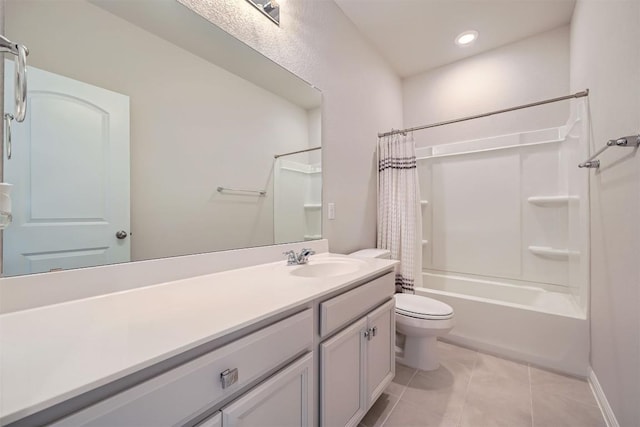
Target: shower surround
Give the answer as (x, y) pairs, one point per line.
(506, 241)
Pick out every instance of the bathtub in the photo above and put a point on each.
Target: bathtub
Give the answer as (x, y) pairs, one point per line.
(527, 323)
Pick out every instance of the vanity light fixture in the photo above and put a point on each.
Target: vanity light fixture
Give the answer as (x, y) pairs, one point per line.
(269, 8)
(270, 5)
(466, 38)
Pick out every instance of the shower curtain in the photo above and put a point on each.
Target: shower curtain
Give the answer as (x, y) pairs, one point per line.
(399, 214)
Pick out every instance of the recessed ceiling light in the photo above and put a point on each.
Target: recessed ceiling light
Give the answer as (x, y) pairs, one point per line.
(466, 38)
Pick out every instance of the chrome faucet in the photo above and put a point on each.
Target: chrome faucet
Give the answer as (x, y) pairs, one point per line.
(299, 259)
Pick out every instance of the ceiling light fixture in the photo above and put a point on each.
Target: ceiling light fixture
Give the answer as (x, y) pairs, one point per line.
(466, 38)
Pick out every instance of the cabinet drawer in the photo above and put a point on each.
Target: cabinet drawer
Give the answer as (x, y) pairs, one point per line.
(338, 311)
(182, 393)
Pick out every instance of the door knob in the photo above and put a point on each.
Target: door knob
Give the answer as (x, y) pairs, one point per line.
(121, 234)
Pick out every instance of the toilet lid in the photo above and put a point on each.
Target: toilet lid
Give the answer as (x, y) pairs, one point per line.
(422, 307)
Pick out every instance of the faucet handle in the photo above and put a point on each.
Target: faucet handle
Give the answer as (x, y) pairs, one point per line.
(304, 255)
(291, 257)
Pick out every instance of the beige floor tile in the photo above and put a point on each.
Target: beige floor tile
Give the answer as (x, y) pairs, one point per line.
(452, 352)
(460, 364)
(557, 410)
(491, 369)
(379, 411)
(442, 391)
(406, 414)
(499, 394)
(497, 402)
(402, 378)
(544, 383)
(479, 415)
(473, 389)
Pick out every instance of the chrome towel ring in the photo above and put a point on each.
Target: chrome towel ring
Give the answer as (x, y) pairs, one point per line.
(21, 52)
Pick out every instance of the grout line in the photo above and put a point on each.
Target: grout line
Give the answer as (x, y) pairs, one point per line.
(466, 392)
(530, 392)
(399, 397)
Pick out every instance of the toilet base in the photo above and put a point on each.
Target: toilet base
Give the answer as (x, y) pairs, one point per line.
(420, 353)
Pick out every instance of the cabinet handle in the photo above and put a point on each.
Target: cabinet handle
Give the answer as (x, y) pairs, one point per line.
(229, 377)
(370, 333)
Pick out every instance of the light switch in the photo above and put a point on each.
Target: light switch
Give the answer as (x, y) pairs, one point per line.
(331, 210)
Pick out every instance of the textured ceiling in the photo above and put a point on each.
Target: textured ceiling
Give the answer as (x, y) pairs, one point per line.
(418, 35)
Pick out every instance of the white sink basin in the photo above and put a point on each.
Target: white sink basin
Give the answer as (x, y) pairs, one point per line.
(328, 267)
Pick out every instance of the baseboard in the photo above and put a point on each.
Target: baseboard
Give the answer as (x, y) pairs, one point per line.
(603, 403)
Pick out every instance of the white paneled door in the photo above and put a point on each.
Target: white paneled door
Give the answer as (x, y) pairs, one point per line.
(70, 170)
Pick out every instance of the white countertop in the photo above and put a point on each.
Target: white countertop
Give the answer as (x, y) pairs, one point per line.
(53, 353)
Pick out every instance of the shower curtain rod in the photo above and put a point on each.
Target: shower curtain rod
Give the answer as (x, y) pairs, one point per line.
(464, 119)
(275, 156)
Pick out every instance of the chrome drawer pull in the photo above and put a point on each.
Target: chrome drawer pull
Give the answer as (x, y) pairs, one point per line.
(229, 377)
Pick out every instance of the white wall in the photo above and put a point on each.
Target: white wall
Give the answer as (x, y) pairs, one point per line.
(361, 96)
(530, 70)
(188, 135)
(605, 57)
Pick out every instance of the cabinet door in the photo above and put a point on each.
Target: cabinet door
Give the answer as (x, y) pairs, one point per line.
(342, 400)
(214, 420)
(381, 367)
(284, 400)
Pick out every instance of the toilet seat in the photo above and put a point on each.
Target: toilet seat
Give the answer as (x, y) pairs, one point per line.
(420, 307)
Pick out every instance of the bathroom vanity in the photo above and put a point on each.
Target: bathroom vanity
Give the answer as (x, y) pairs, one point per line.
(264, 345)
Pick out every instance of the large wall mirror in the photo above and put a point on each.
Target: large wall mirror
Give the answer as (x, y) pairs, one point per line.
(152, 133)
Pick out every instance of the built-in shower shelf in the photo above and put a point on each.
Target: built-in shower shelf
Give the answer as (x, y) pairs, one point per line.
(549, 252)
(312, 206)
(552, 200)
(312, 237)
(424, 202)
(425, 242)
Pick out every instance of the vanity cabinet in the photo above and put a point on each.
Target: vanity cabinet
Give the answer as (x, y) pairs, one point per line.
(358, 363)
(324, 365)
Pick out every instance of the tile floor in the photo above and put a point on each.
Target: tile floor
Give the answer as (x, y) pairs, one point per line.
(472, 389)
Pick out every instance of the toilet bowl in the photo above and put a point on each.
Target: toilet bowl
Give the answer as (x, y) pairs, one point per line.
(419, 321)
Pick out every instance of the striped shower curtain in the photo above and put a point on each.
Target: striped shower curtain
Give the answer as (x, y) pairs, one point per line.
(399, 214)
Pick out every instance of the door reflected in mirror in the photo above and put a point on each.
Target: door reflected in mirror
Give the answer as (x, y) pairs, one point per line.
(134, 121)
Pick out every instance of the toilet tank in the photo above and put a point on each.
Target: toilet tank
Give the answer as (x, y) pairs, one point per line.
(372, 253)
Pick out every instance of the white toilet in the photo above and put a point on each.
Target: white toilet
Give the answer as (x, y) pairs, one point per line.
(420, 320)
